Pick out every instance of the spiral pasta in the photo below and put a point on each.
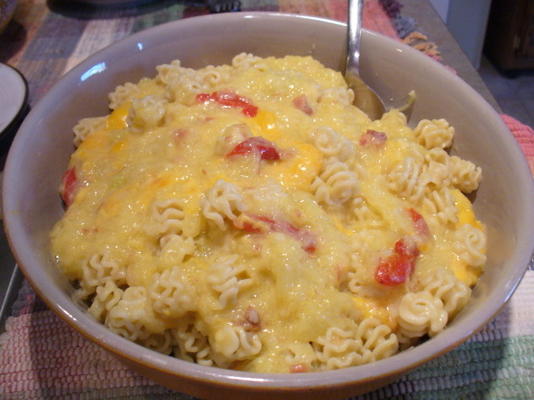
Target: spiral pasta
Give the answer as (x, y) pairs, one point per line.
(440, 204)
(234, 343)
(223, 201)
(434, 133)
(404, 179)
(122, 94)
(226, 280)
(336, 184)
(466, 176)
(471, 245)
(332, 144)
(85, 127)
(421, 314)
(169, 296)
(444, 286)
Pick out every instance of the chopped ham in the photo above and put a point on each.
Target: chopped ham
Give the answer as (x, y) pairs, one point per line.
(373, 138)
(301, 103)
(298, 368)
(252, 320)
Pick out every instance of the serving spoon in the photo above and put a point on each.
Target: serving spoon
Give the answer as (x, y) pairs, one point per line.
(364, 97)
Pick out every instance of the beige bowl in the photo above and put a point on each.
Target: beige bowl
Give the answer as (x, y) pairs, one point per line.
(41, 150)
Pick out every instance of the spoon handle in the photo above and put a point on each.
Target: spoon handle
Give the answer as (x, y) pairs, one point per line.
(355, 17)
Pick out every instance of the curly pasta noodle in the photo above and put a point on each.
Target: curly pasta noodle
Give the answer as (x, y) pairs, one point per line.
(193, 344)
(96, 271)
(85, 127)
(369, 341)
(421, 313)
(248, 61)
(107, 296)
(235, 343)
(333, 144)
(434, 133)
(466, 176)
(336, 184)
(436, 171)
(128, 318)
(160, 342)
(470, 245)
(170, 297)
(122, 94)
(444, 286)
(440, 204)
(223, 200)
(227, 280)
(404, 179)
(146, 113)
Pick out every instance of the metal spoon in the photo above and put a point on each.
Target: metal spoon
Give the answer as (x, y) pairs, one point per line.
(364, 97)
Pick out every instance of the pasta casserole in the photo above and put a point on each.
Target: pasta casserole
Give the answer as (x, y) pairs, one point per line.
(248, 216)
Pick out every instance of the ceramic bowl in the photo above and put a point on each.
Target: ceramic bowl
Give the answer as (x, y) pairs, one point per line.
(41, 150)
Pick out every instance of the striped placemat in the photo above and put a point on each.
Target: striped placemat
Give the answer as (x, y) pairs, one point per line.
(43, 358)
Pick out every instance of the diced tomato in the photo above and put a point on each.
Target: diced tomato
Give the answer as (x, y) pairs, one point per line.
(305, 237)
(256, 145)
(229, 99)
(396, 268)
(419, 223)
(301, 103)
(373, 138)
(69, 186)
(298, 368)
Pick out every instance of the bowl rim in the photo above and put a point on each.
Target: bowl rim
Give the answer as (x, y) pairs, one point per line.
(98, 333)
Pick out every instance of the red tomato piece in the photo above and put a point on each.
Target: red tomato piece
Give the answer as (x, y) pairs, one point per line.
(256, 145)
(396, 268)
(69, 186)
(229, 99)
(419, 223)
(373, 138)
(301, 103)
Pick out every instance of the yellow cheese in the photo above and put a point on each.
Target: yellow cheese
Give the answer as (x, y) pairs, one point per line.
(465, 273)
(298, 171)
(465, 210)
(118, 118)
(370, 309)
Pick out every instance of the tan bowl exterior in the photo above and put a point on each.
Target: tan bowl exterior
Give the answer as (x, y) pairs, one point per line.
(40, 153)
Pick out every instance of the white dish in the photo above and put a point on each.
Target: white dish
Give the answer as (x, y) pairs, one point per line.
(13, 96)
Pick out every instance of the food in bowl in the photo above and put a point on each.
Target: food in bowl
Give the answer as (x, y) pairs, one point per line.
(248, 216)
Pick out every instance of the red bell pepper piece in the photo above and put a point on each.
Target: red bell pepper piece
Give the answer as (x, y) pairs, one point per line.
(256, 145)
(396, 268)
(373, 138)
(229, 99)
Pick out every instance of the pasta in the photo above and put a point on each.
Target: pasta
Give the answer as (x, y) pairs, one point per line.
(248, 216)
